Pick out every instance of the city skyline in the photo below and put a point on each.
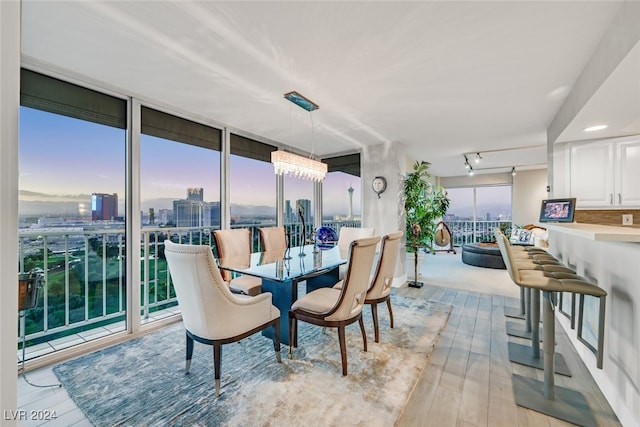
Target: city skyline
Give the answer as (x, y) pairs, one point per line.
(66, 160)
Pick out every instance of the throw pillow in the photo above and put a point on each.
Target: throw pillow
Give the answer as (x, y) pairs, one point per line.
(525, 237)
(515, 235)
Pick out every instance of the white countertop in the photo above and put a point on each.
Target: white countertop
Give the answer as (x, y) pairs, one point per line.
(597, 232)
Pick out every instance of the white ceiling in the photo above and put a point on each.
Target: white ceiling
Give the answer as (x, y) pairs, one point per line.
(443, 78)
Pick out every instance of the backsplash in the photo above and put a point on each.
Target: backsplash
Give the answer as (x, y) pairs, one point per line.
(607, 216)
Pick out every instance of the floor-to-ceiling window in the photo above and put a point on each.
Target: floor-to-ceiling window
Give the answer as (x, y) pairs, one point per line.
(474, 212)
(342, 192)
(298, 208)
(179, 196)
(252, 186)
(71, 212)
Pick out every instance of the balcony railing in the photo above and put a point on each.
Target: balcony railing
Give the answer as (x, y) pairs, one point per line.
(84, 292)
(469, 231)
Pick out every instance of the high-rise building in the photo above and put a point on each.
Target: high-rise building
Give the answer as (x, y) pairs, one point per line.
(306, 207)
(104, 207)
(195, 194)
(350, 190)
(288, 212)
(194, 212)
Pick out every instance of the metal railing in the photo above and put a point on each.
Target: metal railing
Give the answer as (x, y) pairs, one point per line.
(84, 274)
(469, 231)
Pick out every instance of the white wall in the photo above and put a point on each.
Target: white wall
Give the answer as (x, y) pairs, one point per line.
(385, 214)
(9, 110)
(529, 189)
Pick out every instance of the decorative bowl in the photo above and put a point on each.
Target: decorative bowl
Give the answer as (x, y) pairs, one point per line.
(326, 237)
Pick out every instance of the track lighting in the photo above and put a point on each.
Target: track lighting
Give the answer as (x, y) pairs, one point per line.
(513, 171)
(478, 157)
(467, 166)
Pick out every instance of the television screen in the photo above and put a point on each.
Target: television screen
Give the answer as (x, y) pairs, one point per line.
(557, 210)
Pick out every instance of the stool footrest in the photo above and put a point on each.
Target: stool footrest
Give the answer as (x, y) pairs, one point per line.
(569, 405)
(516, 329)
(522, 354)
(514, 312)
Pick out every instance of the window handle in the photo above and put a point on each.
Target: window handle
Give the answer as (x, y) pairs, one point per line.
(619, 198)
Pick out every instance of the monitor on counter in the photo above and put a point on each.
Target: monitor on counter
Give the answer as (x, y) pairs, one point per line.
(558, 210)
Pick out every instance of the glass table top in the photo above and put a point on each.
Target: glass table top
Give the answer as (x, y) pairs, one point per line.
(274, 265)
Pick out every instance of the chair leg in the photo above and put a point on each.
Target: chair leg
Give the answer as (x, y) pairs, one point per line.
(374, 315)
(276, 341)
(189, 354)
(217, 354)
(292, 343)
(343, 349)
(390, 312)
(364, 334)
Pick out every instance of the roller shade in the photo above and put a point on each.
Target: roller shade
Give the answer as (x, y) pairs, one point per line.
(56, 96)
(349, 164)
(167, 126)
(245, 147)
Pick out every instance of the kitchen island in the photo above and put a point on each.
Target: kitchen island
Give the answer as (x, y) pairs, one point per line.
(608, 256)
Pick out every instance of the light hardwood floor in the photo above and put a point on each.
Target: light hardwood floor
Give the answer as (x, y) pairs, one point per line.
(466, 381)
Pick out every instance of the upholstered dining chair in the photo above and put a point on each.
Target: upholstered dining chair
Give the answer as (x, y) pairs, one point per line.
(237, 243)
(273, 238)
(380, 288)
(211, 314)
(337, 308)
(345, 237)
(380, 283)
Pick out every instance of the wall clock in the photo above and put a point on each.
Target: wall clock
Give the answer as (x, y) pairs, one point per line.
(379, 184)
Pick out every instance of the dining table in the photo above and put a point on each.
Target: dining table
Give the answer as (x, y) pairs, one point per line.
(281, 271)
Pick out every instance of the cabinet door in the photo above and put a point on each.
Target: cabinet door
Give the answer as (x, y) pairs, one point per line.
(592, 174)
(627, 174)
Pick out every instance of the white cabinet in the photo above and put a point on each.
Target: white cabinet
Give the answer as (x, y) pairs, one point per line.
(606, 174)
(627, 173)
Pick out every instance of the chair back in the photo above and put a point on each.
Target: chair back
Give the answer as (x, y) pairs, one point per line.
(273, 238)
(383, 277)
(349, 234)
(204, 298)
(232, 243)
(507, 256)
(356, 283)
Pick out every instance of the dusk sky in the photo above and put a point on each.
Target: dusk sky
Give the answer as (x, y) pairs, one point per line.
(65, 159)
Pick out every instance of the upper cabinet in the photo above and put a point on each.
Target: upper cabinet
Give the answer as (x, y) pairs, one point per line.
(606, 174)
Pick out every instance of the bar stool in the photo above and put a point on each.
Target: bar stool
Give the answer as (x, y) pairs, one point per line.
(529, 258)
(559, 402)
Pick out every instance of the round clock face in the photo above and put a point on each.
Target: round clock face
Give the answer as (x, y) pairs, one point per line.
(379, 184)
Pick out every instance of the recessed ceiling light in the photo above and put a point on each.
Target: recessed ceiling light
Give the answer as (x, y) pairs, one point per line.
(595, 128)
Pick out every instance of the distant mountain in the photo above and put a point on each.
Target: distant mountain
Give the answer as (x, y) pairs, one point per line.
(252, 210)
(62, 209)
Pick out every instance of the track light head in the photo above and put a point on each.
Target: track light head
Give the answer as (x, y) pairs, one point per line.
(513, 171)
(478, 157)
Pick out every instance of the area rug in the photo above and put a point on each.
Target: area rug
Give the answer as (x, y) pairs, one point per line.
(142, 382)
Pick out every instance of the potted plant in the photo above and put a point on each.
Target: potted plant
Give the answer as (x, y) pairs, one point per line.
(424, 205)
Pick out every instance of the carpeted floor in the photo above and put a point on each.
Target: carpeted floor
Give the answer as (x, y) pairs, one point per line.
(142, 382)
(448, 270)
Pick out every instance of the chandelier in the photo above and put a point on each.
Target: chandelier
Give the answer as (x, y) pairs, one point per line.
(285, 163)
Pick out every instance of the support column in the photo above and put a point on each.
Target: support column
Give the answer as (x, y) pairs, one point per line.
(9, 120)
(385, 214)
